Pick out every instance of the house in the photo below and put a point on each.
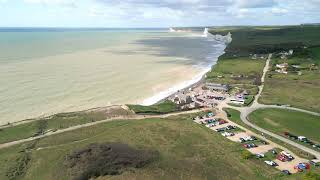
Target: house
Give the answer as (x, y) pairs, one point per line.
(189, 100)
(237, 101)
(218, 87)
(290, 52)
(281, 71)
(282, 66)
(254, 56)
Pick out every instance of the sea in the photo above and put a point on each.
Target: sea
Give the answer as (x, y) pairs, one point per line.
(44, 71)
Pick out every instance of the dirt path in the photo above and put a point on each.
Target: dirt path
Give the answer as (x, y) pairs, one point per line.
(132, 117)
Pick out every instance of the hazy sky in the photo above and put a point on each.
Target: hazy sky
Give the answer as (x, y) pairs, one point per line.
(156, 13)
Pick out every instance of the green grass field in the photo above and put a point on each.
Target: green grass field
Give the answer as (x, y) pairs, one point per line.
(55, 122)
(187, 151)
(299, 91)
(161, 108)
(240, 73)
(280, 121)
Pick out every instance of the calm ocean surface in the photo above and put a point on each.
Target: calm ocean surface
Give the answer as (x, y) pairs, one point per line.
(46, 71)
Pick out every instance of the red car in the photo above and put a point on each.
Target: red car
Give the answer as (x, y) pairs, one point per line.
(222, 121)
(282, 158)
(246, 146)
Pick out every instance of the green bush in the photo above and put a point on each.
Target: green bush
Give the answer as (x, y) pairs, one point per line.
(246, 154)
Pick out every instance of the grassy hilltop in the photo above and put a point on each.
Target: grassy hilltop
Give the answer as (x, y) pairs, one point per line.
(186, 151)
(301, 91)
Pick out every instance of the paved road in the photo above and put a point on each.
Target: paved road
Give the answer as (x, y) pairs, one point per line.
(132, 117)
(245, 111)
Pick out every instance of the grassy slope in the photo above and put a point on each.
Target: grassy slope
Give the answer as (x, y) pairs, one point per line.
(58, 121)
(162, 108)
(236, 66)
(280, 121)
(187, 151)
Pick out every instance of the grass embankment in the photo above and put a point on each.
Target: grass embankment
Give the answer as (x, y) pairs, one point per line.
(55, 122)
(186, 151)
(234, 115)
(280, 121)
(161, 108)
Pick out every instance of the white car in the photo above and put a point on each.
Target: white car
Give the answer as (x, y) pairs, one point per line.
(260, 155)
(227, 134)
(210, 125)
(270, 163)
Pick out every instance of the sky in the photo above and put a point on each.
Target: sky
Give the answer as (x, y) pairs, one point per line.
(156, 13)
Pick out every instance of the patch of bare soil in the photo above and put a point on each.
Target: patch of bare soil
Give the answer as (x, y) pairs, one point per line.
(106, 159)
(271, 122)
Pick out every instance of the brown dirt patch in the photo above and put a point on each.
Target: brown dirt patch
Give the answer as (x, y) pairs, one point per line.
(106, 159)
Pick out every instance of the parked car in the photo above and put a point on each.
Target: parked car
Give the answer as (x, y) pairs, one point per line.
(230, 127)
(220, 129)
(282, 158)
(264, 142)
(260, 155)
(222, 121)
(210, 125)
(253, 145)
(286, 172)
(274, 151)
(253, 138)
(287, 155)
(315, 162)
(227, 134)
(316, 146)
(271, 163)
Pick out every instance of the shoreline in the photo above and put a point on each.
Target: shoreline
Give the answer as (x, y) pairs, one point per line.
(160, 97)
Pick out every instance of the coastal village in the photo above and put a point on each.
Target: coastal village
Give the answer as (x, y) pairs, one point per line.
(215, 96)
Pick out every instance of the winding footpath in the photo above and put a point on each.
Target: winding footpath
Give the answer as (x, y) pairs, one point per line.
(131, 117)
(246, 111)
